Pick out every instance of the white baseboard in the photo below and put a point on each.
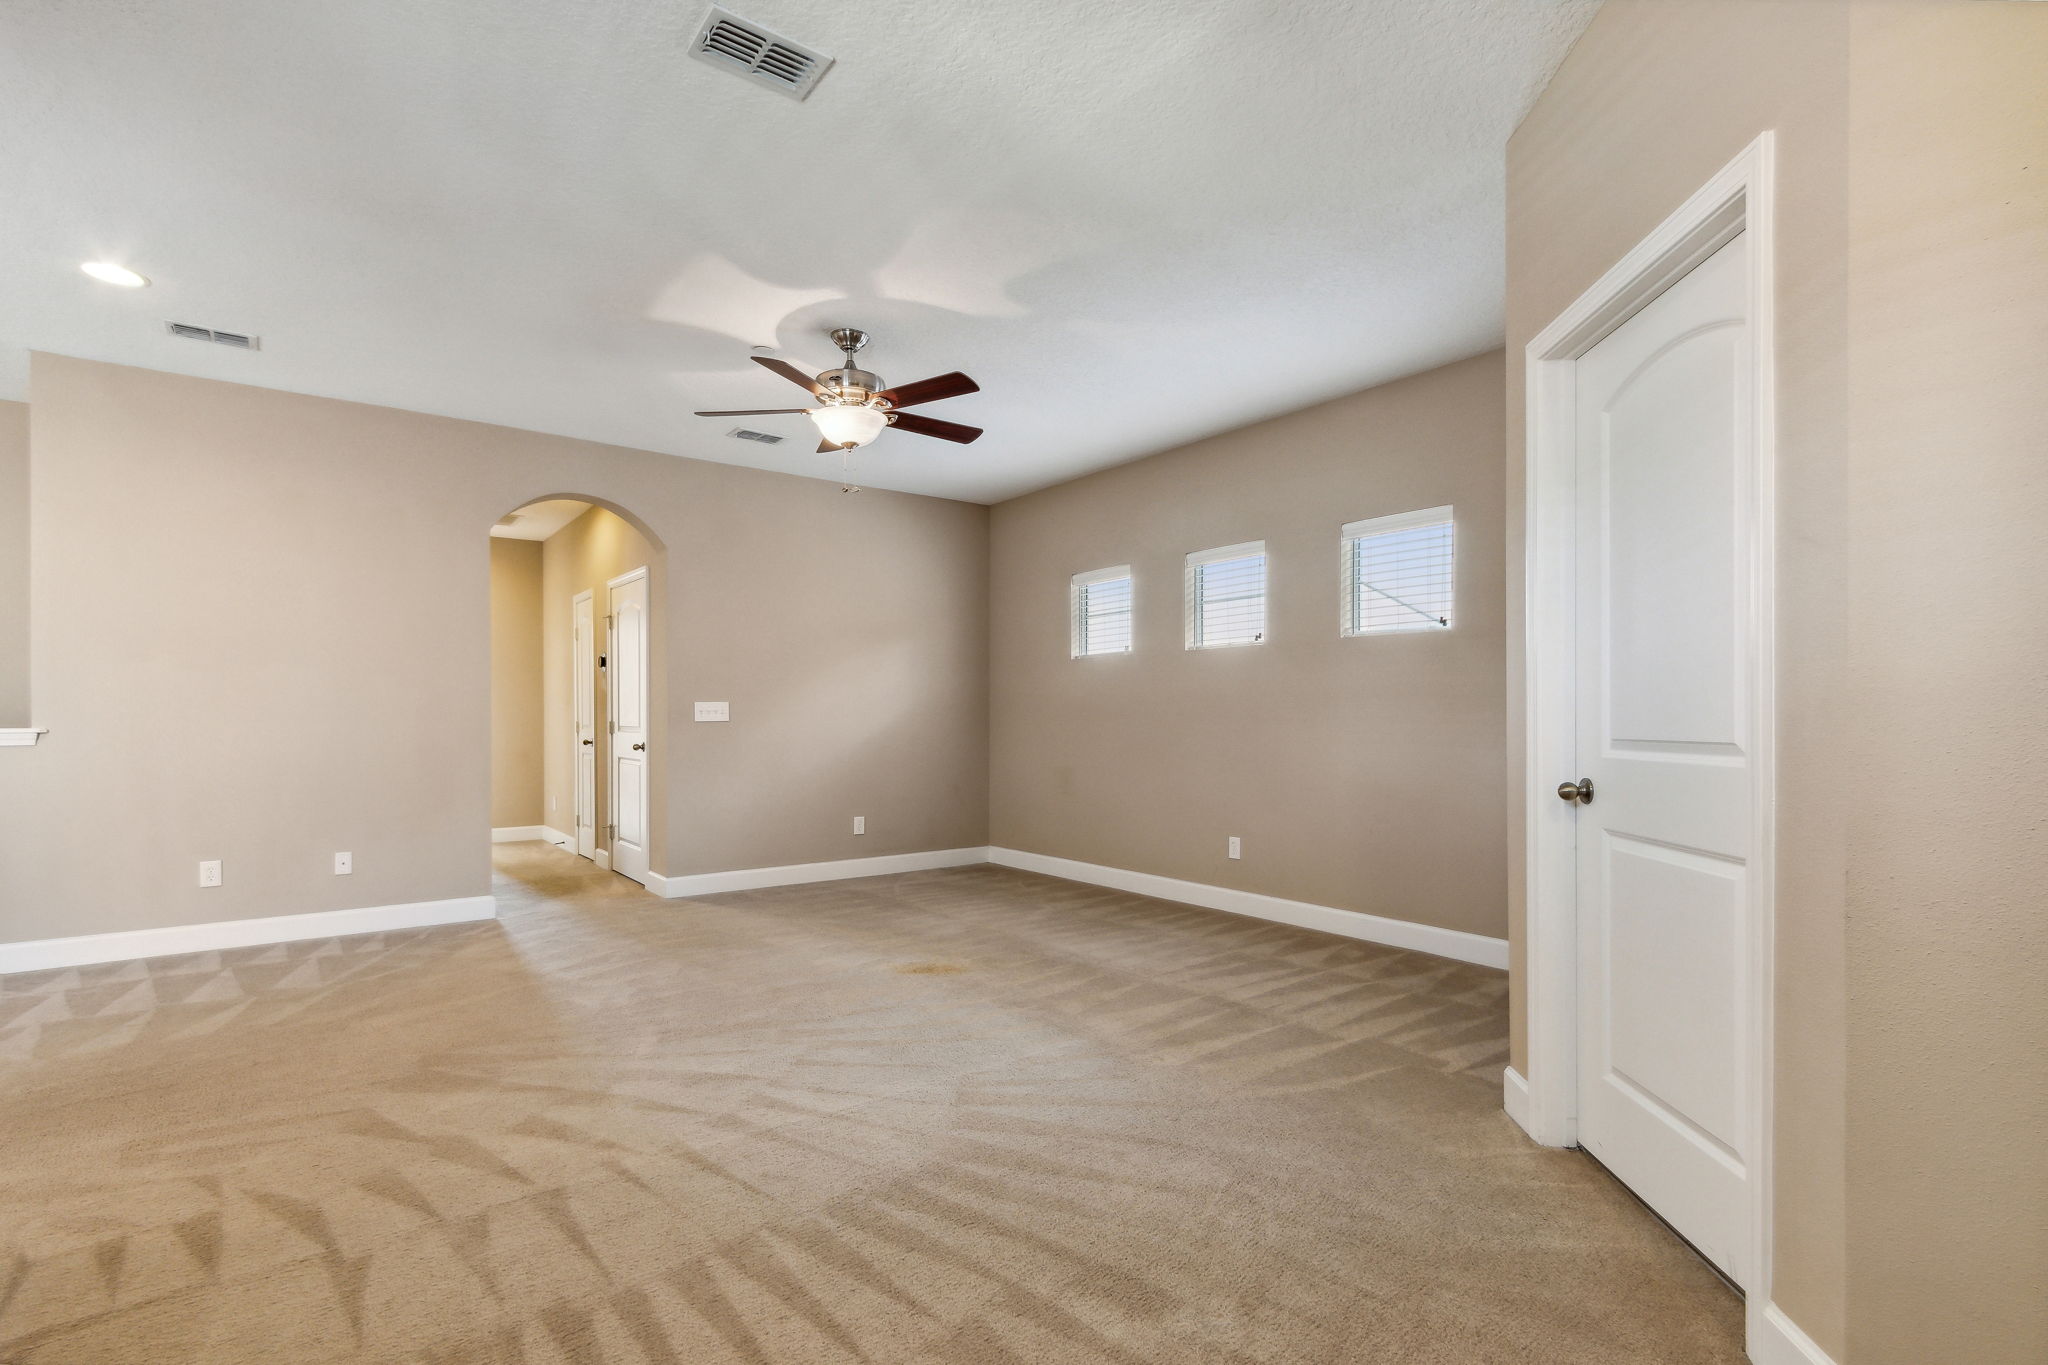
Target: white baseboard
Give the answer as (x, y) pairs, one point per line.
(21, 736)
(1396, 933)
(43, 954)
(603, 858)
(1515, 1098)
(513, 834)
(1775, 1339)
(753, 878)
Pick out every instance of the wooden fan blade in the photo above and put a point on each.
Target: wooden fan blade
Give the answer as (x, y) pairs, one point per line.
(930, 390)
(751, 412)
(787, 371)
(932, 426)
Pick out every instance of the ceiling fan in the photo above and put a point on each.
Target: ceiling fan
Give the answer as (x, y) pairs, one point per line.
(856, 408)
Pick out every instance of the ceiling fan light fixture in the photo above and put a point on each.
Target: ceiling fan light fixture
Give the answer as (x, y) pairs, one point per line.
(847, 424)
(854, 405)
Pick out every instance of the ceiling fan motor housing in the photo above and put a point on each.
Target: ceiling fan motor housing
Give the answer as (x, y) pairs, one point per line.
(850, 385)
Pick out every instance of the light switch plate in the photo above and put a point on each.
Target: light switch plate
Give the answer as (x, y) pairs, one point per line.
(714, 710)
(860, 824)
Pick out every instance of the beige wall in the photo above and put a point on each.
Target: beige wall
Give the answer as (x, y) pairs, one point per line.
(1948, 649)
(515, 682)
(1361, 773)
(235, 659)
(14, 706)
(1911, 1214)
(586, 555)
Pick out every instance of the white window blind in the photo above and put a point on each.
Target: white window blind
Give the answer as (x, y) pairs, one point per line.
(1226, 596)
(1399, 572)
(1101, 601)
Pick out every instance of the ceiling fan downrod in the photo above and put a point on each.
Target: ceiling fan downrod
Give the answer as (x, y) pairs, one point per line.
(849, 383)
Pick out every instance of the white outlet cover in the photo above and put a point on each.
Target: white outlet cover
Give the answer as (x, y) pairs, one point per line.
(714, 710)
(860, 824)
(209, 872)
(1236, 848)
(344, 863)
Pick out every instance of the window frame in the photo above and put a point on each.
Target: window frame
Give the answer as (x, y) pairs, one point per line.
(1191, 575)
(1424, 518)
(1077, 598)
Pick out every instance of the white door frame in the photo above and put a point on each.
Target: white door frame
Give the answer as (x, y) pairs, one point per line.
(611, 729)
(1739, 199)
(582, 708)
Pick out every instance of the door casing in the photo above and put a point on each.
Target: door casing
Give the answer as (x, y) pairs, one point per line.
(612, 737)
(583, 723)
(1739, 199)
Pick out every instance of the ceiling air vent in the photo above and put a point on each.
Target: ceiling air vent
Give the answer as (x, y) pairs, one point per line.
(239, 340)
(744, 46)
(765, 438)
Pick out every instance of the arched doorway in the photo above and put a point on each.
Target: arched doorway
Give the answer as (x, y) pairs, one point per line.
(577, 687)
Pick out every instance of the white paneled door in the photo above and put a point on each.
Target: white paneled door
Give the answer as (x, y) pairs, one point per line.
(627, 673)
(1666, 739)
(583, 699)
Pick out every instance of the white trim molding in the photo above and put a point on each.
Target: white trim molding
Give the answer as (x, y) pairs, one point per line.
(20, 736)
(514, 834)
(86, 949)
(1395, 933)
(796, 874)
(1775, 1339)
(1738, 200)
(1514, 1098)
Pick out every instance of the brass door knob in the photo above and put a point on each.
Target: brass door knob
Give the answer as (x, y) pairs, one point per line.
(590, 741)
(1580, 792)
(639, 746)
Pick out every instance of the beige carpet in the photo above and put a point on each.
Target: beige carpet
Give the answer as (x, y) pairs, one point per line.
(962, 1116)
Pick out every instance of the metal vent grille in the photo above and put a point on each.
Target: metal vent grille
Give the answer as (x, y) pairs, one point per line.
(764, 437)
(241, 341)
(761, 55)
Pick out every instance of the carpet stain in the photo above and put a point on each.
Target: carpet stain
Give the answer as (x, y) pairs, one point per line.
(931, 968)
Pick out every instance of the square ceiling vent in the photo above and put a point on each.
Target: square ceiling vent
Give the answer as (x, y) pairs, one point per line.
(761, 55)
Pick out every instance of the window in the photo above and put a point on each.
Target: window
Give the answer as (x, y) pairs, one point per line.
(1227, 596)
(1398, 573)
(1102, 611)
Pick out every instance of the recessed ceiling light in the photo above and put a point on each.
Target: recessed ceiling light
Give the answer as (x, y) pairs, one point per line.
(106, 272)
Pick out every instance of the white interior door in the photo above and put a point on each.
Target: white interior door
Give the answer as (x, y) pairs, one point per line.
(1665, 460)
(627, 674)
(583, 700)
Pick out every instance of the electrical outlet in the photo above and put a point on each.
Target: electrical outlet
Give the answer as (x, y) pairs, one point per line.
(1236, 847)
(344, 863)
(860, 824)
(209, 872)
(714, 710)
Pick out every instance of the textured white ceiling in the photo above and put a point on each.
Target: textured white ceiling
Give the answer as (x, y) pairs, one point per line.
(539, 520)
(1135, 222)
